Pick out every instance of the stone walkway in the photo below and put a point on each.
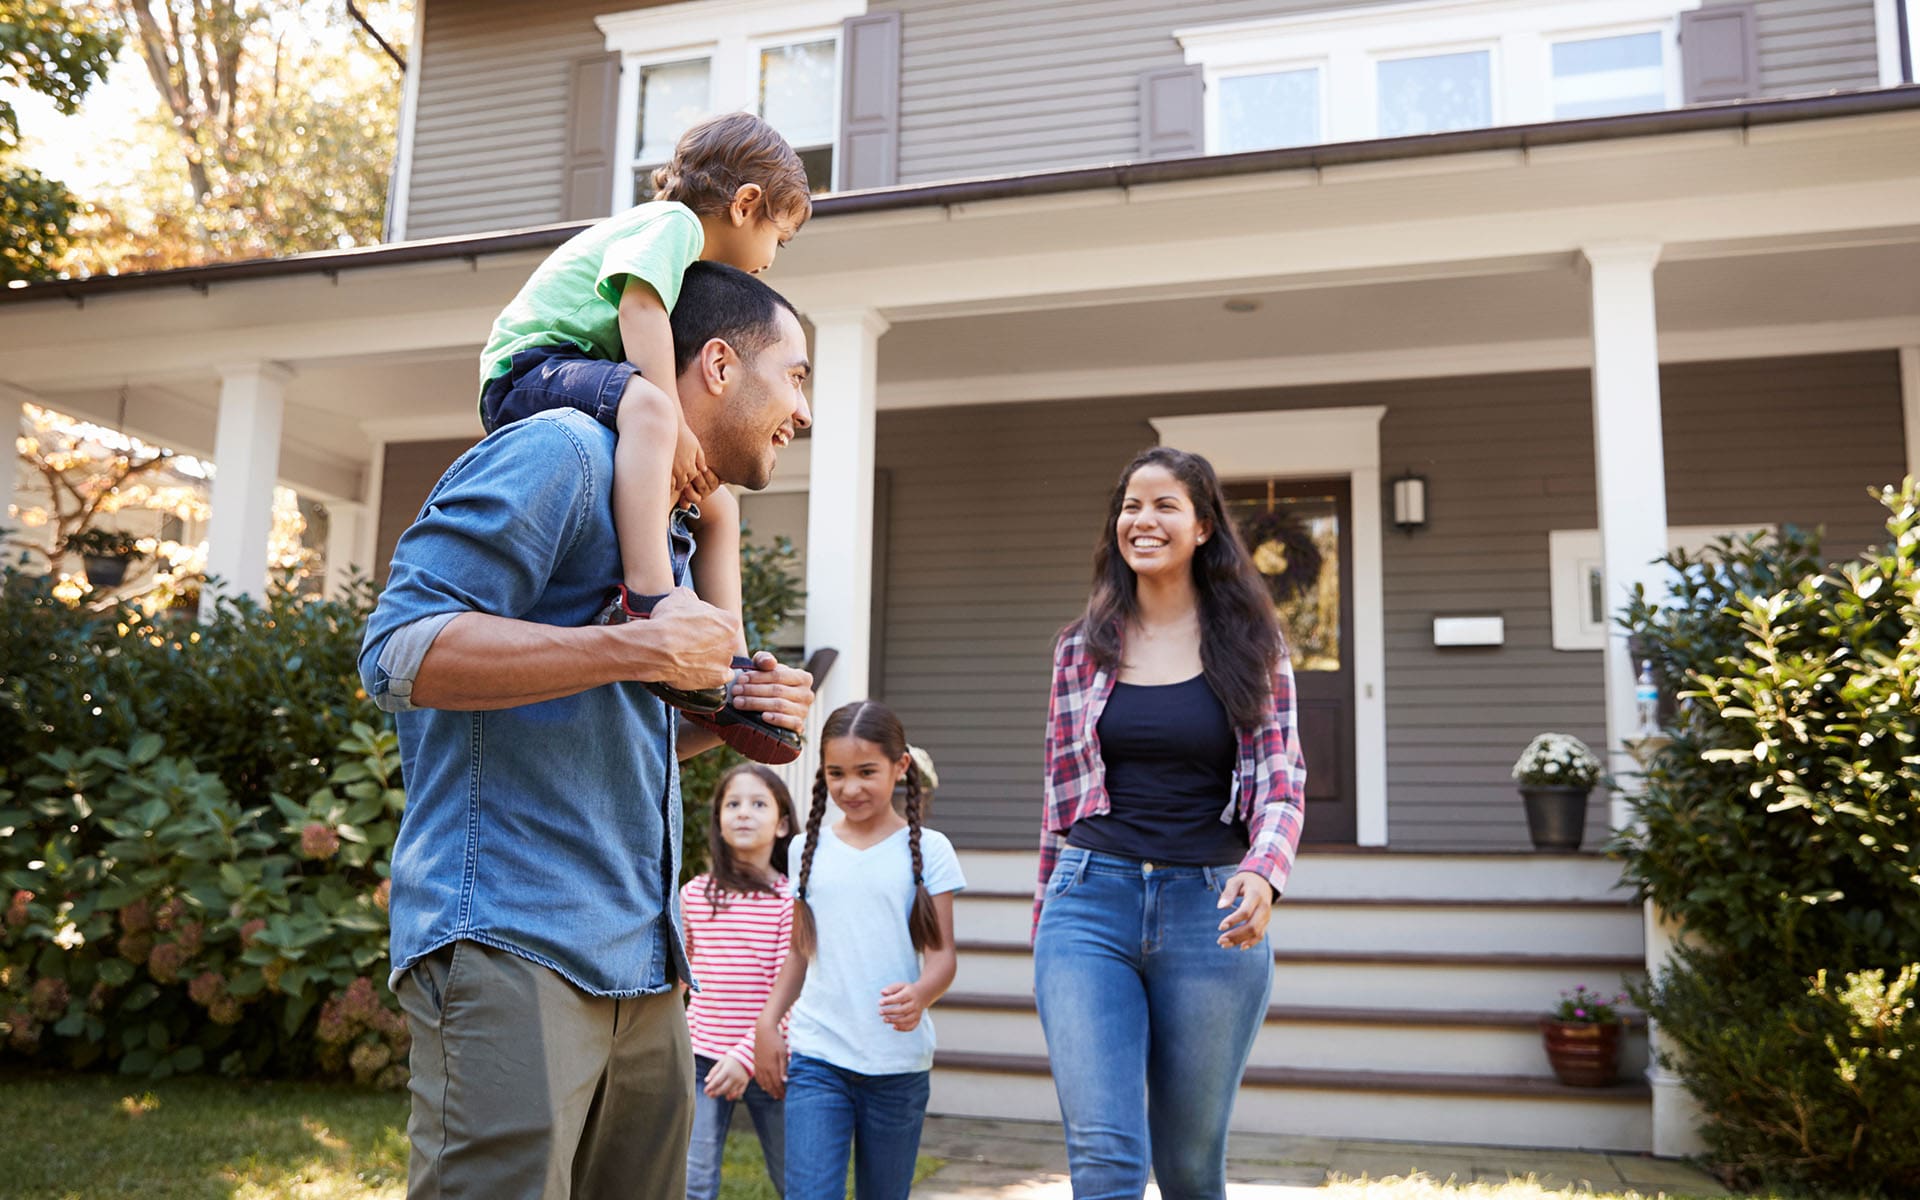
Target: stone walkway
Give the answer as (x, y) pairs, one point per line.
(1026, 1160)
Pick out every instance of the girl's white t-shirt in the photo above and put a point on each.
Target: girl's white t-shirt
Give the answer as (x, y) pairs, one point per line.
(860, 901)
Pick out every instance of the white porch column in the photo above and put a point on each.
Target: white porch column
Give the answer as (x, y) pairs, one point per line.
(846, 345)
(1910, 404)
(1630, 471)
(246, 460)
(343, 545)
(1629, 462)
(10, 415)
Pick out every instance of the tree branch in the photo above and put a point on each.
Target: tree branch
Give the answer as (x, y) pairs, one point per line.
(353, 10)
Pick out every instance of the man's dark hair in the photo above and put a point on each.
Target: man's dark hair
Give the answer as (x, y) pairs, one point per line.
(718, 301)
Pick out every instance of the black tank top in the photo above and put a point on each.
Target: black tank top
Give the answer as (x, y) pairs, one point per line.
(1169, 751)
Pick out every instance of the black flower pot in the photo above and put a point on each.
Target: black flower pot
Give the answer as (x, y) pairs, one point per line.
(1556, 816)
(106, 570)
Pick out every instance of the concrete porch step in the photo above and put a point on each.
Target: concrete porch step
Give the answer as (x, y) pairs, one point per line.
(1602, 927)
(1332, 1038)
(1416, 1106)
(1340, 978)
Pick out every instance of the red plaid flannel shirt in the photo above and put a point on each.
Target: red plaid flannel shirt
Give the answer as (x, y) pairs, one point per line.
(1269, 778)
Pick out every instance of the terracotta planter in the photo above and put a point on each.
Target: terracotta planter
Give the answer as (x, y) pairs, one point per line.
(1581, 1053)
(1556, 816)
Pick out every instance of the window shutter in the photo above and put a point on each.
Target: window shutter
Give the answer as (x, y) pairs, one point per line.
(1719, 53)
(869, 154)
(593, 100)
(1173, 121)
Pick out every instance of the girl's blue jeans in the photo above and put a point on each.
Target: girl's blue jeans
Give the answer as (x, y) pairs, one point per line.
(1149, 1022)
(832, 1112)
(713, 1117)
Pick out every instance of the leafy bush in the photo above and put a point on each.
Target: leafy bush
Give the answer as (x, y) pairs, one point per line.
(196, 822)
(1781, 828)
(155, 923)
(1818, 1089)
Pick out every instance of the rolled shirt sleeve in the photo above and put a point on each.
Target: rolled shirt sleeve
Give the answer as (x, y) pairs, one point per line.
(486, 541)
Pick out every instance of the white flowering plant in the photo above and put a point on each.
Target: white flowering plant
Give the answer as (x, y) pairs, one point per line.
(1557, 760)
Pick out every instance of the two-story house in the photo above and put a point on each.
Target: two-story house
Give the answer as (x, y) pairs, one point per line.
(1497, 299)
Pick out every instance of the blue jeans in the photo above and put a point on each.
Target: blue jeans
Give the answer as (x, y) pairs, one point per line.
(831, 1112)
(547, 377)
(711, 1119)
(1149, 1022)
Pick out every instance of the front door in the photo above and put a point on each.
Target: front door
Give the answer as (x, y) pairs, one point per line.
(1299, 534)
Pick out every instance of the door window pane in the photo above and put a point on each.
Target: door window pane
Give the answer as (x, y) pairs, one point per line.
(1261, 112)
(797, 91)
(1295, 544)
(673, 96)
(1597, 77)
(1436, 93)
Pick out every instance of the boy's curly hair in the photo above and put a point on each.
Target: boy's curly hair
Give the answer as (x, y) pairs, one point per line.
(722, 154)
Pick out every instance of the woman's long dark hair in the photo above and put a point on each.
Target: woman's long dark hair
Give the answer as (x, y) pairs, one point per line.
(728, 876)
(870, 721)
(1240, 641)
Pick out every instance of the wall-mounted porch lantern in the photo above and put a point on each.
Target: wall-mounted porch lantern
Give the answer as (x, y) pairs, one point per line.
(1410, 503)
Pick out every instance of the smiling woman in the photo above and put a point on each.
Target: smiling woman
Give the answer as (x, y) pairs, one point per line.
(1174, 790)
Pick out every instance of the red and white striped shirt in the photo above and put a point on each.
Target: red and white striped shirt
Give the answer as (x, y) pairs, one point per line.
(735, 955)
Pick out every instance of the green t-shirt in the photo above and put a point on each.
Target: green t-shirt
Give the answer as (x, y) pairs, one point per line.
(573, 298)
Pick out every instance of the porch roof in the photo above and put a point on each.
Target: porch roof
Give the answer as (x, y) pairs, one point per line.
(1699, 118)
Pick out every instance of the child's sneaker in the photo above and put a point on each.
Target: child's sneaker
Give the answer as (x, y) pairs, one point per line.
(632, 606)
(749, 732)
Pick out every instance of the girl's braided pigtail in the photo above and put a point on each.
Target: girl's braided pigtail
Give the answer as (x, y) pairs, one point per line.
(923, 923)
(806, 939)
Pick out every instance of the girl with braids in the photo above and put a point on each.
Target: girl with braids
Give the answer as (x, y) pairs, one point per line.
(1174, 790)
(739, 922)
(872, 950)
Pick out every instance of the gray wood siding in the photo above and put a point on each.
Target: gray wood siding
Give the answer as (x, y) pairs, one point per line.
(412, 468)
(490, 136)
(989, 87)
(1814, 45)
(995, 87)
(995, 510)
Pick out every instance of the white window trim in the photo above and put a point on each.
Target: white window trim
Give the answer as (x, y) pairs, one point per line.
(1348, 45)
(1574, 553)
(1316, 443)
(730, 35)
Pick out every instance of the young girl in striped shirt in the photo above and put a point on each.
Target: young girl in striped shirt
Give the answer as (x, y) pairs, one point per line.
(739, 921)
(872, 950)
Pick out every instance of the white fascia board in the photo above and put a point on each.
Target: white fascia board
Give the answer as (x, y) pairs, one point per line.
(1432, 362)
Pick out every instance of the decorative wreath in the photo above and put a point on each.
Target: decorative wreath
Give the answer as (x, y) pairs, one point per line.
(1283, 552)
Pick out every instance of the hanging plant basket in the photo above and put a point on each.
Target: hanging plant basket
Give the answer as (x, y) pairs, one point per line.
(107, 570)
(1284, 553)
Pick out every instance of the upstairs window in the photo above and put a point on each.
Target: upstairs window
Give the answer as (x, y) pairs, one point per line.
(681, 63)
(1434, 93)
(1598, 77)
(1431, 66)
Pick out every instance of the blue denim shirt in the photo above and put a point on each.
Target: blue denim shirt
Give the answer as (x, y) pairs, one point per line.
(550, 830)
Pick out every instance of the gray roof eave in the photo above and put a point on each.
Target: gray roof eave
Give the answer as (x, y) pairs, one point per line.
(1737, 115)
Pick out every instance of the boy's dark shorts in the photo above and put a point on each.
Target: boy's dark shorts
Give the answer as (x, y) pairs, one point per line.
(549, 377)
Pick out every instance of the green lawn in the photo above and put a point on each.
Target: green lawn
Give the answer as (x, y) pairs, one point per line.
(85, 1137)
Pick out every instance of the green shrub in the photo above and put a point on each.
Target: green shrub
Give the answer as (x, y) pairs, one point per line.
(1781, 828)
(196, 822)
(155, 924)
(1816, 1089)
